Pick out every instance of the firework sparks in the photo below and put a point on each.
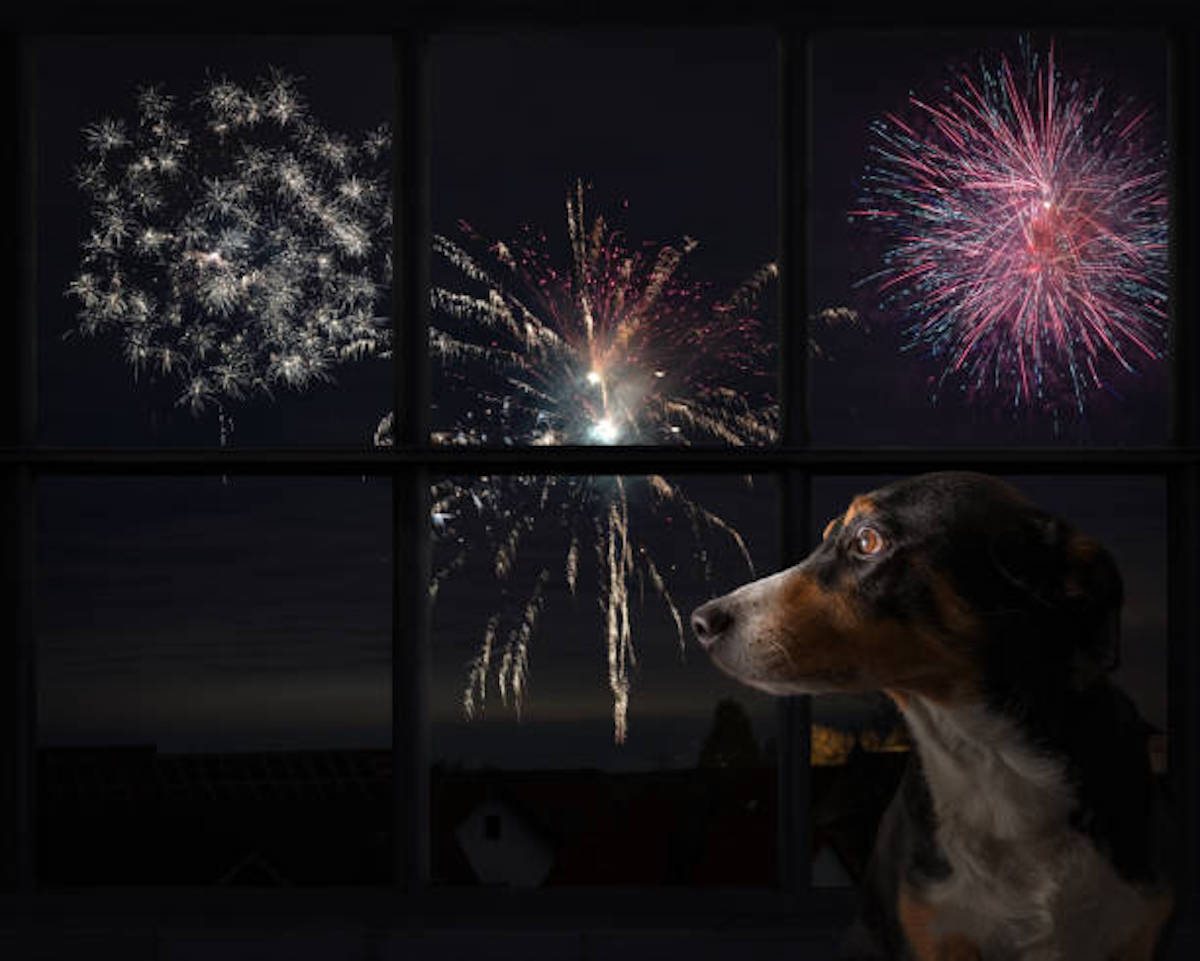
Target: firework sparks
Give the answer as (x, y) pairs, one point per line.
(235, 243)
(1027, 217)
(617, 349)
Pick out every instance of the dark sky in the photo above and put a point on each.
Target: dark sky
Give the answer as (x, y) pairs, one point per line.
(256, 613)
(681, 125)
(199, 614)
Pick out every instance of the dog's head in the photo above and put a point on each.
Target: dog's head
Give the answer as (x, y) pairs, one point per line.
(942, 585)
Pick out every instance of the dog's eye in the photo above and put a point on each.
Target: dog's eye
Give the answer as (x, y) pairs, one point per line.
(868, 541)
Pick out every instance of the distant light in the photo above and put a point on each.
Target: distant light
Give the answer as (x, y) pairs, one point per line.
(674, 429)
(605, 431)
(593, 377)
(660, 373)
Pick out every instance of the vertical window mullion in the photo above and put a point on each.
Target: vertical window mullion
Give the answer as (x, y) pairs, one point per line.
(1181, 83)
(793, 184)
(795, 713)
(20, 717)
(1183, 484)
(19, 428)
(411, 547)
(1183, 665)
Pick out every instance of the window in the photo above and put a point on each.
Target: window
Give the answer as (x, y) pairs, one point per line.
(210, 686)
(620, 760)
(445, 810)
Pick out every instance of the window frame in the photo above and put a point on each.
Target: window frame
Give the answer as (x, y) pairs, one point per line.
(412, 460)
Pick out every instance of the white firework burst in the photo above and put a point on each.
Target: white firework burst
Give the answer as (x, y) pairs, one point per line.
(235, 244)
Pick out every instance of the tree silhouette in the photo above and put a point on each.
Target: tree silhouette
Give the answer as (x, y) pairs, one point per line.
(730, 741)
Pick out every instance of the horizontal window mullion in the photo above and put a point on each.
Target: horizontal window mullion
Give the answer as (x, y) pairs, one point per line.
(466, 908)
(600, 460)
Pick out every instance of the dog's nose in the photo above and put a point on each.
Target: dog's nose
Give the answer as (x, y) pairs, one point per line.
(709, 621)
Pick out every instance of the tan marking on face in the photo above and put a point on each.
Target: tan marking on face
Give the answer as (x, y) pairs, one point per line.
(822, 635)
(862, 504)
(906, 659)
(807, 633)
(1082, 552)
(1143, 941)
(917, 918)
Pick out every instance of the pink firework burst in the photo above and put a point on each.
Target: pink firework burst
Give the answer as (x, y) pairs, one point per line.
(1026, 214)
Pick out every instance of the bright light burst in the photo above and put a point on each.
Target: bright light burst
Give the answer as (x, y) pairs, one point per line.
(235, 243)
(617, 348)
(1027, 217)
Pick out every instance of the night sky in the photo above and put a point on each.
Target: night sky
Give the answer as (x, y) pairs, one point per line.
(255, 613)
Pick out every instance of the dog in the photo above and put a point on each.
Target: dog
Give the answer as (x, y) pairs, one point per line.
(1028, 825)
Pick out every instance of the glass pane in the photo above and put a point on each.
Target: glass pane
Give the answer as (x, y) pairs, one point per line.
(580, 736)
(988, 225)
(860, 742)
(214, 240)
(643, 312)
(214, 681)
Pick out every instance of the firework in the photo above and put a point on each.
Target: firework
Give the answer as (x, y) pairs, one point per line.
(235, 244)
(618, 347)
(1026, 212)
(615, 348)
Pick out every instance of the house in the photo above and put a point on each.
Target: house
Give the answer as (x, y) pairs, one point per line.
(503, 846)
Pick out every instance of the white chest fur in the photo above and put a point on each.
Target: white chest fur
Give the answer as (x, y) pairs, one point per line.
(1025, 886)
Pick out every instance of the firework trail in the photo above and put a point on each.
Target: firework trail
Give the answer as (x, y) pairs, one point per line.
(1027, 218)
(235, 244)
(617, 348)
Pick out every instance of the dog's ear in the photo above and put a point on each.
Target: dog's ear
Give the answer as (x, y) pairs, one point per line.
(1092, 594)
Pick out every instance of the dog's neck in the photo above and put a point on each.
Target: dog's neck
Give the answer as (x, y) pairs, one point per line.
(984, 775)
(1020, 877)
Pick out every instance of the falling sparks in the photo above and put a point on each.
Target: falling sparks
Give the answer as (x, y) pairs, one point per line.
(1026, 212)
(235, 244)
(619, 348)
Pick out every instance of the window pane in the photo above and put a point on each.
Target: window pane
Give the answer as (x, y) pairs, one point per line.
(860, 743)
(214, 240)
(214, 680)
(567, 751)
(988, 220)
(644, 311)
